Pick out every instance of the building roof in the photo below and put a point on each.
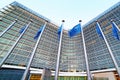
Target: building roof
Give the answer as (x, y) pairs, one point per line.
(29, 10)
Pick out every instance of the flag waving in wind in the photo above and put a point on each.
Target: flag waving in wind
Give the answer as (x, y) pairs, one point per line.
(98, 29)
(38, 33)
(75, 30)
(59, 31)
(115, 30)
(22, 29)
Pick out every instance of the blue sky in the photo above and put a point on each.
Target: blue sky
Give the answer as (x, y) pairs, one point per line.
(69, 10)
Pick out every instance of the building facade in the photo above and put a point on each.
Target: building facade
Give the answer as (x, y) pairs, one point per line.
(72, 54)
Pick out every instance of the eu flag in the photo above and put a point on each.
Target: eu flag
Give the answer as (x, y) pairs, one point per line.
(38, 33)
(22, 29)
(75, 30)
(59, 31)
(98, 30)
(115, 30)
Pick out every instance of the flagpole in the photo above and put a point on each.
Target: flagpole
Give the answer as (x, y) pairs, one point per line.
(9, 52)
(85, 54)
(59, 53)
(110, 51)
(12, 24)
(14, 45)
(115, 25)
(32, 54)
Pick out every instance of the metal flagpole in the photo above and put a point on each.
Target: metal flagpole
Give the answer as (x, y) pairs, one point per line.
(11, 25)
(8, 27)
(59, 53)
(32, 54)
(115, 25)
(86, 58)
(9, 52)
(110, 51)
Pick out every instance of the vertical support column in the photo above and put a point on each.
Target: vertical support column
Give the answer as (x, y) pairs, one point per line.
(89, 77)
(32, 55)
(59, 54)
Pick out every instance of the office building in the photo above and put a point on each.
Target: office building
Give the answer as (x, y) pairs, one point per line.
(72, 60)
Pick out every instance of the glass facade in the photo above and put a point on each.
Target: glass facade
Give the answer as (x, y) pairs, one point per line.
(11, 74)
(72, 55)
(46, 52)
(97, 51)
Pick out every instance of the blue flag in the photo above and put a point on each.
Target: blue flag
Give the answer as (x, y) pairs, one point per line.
(59, 31)
(98, 30)
(115, 31)
(22, 29)
(75, 30)
(38, 33)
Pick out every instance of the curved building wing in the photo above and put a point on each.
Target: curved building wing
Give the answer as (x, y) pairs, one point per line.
(72, 57)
